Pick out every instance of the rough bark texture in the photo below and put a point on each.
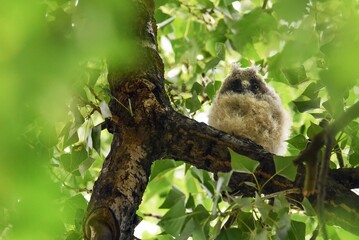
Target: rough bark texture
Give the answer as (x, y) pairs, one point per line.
(146, 128)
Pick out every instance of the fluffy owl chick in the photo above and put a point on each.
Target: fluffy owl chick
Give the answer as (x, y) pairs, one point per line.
(246, 106)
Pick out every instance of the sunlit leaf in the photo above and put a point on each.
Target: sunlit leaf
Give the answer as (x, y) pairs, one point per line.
(231, 233)
(190, 202)
(85, 165)
(308, 208)
(264, 208)
(162, 166)
(295, 75)
(193, 103)
(313, 130)
(96, 138)
(174, 219)
(197, 88)
(297, 230)
(242, 163)
(212, 88)
(299, 142)
(285, 167)
(77, 202)
(173, 197)
(105, 110)
(290, 10)
(304, 106)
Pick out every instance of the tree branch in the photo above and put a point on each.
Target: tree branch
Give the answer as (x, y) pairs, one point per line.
(348, 177)
(207, 148)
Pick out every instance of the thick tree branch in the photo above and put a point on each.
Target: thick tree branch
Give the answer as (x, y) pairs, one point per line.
(207, 148)
(348, 177)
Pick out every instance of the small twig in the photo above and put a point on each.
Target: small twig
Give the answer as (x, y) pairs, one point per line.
(338, 152)
(128, 110)
(93, 93)
(264, 4)
(285, 192)
(322, 182)
(315, 233)
(152, 215)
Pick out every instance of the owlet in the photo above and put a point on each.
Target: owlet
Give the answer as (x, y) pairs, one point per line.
(246, 106)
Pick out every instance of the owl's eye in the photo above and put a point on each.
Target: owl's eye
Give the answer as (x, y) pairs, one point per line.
(255, 87)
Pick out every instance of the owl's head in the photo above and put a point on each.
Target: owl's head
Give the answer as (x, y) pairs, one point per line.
(244, 80)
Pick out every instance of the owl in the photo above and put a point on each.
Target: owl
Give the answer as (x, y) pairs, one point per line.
(246, 106)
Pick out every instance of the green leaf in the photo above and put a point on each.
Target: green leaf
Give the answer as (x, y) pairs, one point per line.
(70, 134)
(297, 230)
(263, 207)
(285, 167)
(299, 142)
(281, 205)
(96, 138)
(194, 229)
(71, 162)
(313, 130)
(308, 208)
(197, 88)
(231, 233)
(48, 136)
(245, 204)
(295, 75)
(312, 90)
(208, 182)
(290, 10)
(173, 197)
(254, 29)
(85, 165)
(246, 221)
(304, 106)
(304, 45)
(173, 221)
(197, 174)
(73, 235)
(190, 202)
(193, 103)
(200, 214)
(77, 202)
(211, 64)
(354, 159)
(223, 180)
(283, 226)
(242, 163)
(212, 88)
(105, 110)
(79, 119)
(188, 230)
(162, 166)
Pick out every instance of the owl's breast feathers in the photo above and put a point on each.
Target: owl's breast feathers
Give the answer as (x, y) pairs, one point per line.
(247, 106)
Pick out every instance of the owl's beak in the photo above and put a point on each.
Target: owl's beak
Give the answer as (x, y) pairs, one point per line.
(245, 84)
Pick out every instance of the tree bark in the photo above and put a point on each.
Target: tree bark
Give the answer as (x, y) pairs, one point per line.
(146, 128)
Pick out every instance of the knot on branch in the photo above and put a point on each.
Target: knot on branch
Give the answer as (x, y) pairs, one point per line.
(101, 224)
